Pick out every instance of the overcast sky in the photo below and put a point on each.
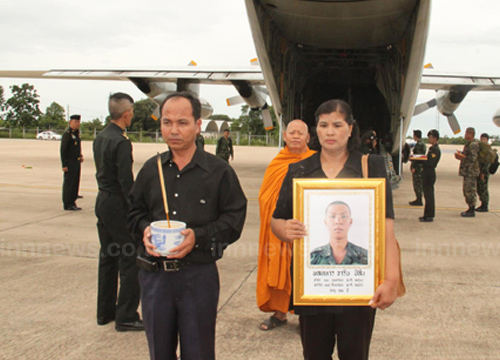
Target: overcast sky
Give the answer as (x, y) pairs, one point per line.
(51, 34)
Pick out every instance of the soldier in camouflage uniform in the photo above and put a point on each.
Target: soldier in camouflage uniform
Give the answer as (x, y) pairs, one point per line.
(482, 180)
(339, 251)
(469, 169)
(224, 147)
(417, 168)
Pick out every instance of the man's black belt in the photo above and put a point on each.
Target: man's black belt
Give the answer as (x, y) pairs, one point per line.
(153, 264)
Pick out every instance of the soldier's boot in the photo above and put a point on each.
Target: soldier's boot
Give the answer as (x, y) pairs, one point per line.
(417, 202)
(482, 208)
(469, 213)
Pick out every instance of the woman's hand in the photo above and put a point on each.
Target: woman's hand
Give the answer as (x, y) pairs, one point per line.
(385, 295)
(288, 230)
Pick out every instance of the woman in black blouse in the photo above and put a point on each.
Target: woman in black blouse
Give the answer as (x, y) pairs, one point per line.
(350, 326)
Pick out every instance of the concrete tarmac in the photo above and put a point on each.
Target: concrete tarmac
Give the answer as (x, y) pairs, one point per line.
(48, 262)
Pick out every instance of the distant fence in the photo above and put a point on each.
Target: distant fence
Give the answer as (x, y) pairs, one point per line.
(146, 136)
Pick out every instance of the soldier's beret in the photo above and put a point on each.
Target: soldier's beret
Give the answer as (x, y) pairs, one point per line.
(75, 117)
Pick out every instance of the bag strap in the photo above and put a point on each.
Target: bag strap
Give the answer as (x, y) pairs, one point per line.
(364, 165)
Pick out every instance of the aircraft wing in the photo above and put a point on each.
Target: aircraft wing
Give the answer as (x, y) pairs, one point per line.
(435, 80)
(451, 90)
(189, 74)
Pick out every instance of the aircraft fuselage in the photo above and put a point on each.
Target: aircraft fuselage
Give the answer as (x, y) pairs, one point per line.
(368, 53)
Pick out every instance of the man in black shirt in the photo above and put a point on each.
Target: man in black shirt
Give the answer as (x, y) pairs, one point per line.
(179, 299)
(429, 175)
(114, 174)
(71, 158)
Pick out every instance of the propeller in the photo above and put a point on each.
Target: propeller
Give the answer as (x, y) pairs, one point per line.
(254, 97)
(453, 122)
(452, 119)
(420, 108)
(266, 118)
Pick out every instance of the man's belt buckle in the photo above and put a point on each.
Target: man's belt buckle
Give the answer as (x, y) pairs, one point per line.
(171, 265)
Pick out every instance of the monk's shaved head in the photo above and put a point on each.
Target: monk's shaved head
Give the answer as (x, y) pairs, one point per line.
(296, 136)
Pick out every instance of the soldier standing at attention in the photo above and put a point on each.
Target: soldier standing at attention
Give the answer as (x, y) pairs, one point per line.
(417, 168)
(482, 180)
(71, 158)
(224, 147)
(115, 177)
(429, 176)
(469, 169)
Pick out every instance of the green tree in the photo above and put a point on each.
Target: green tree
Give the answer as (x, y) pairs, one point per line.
(222, 117)
(2, 100)
(22, 108)
(54, 117)
(142, 116)
(91, 125)
(250, 122)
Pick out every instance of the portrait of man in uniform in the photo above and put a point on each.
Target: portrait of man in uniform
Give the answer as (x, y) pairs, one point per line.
(338, 251)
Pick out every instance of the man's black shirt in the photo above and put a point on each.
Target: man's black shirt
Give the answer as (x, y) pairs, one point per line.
(71, 147)
(113, 160)
(206, 195)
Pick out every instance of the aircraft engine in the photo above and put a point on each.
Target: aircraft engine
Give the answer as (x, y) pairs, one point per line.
(254, 97)
(158, 91)
(447, 101)
(496, 118)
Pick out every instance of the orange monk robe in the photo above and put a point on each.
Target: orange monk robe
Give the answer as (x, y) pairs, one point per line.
(273, 272)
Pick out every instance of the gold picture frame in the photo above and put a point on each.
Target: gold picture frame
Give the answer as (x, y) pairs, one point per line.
(317, 277)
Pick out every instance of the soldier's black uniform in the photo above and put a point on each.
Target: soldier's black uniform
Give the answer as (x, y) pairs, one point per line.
(114, 174)
(429, 178)
(71, 155)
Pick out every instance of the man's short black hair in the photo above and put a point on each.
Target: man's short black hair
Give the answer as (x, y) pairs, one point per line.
(417, 133)
(485, 135)
(337, 202)
(118, 104)
(193, 99)
(434, 133)
(225, 130)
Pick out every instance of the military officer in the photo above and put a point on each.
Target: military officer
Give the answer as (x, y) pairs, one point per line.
(114, 175)
(482, 180)
(417, 168)
(469, 169)
(224, 147)
(429, 176)
(71, 158)
(338, 251)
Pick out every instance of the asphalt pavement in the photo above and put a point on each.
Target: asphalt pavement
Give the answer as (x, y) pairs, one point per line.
(48, 262)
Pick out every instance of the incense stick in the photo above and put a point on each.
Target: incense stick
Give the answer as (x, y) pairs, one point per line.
(163, 192)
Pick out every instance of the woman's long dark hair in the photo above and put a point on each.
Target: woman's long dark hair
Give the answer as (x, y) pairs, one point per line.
(344, 109)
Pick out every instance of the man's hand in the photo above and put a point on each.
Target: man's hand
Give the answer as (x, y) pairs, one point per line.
(81, 158)
(65, 169)
(459, 155)
(481, 176)
(413, 171)
(185, 247)
(147, 242)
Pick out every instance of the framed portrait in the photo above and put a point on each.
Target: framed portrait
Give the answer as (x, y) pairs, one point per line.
(342, 259)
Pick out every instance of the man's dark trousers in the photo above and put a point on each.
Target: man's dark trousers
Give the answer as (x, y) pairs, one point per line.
(180, 304)
(71, 183)
(117, 257)
(429, 179)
